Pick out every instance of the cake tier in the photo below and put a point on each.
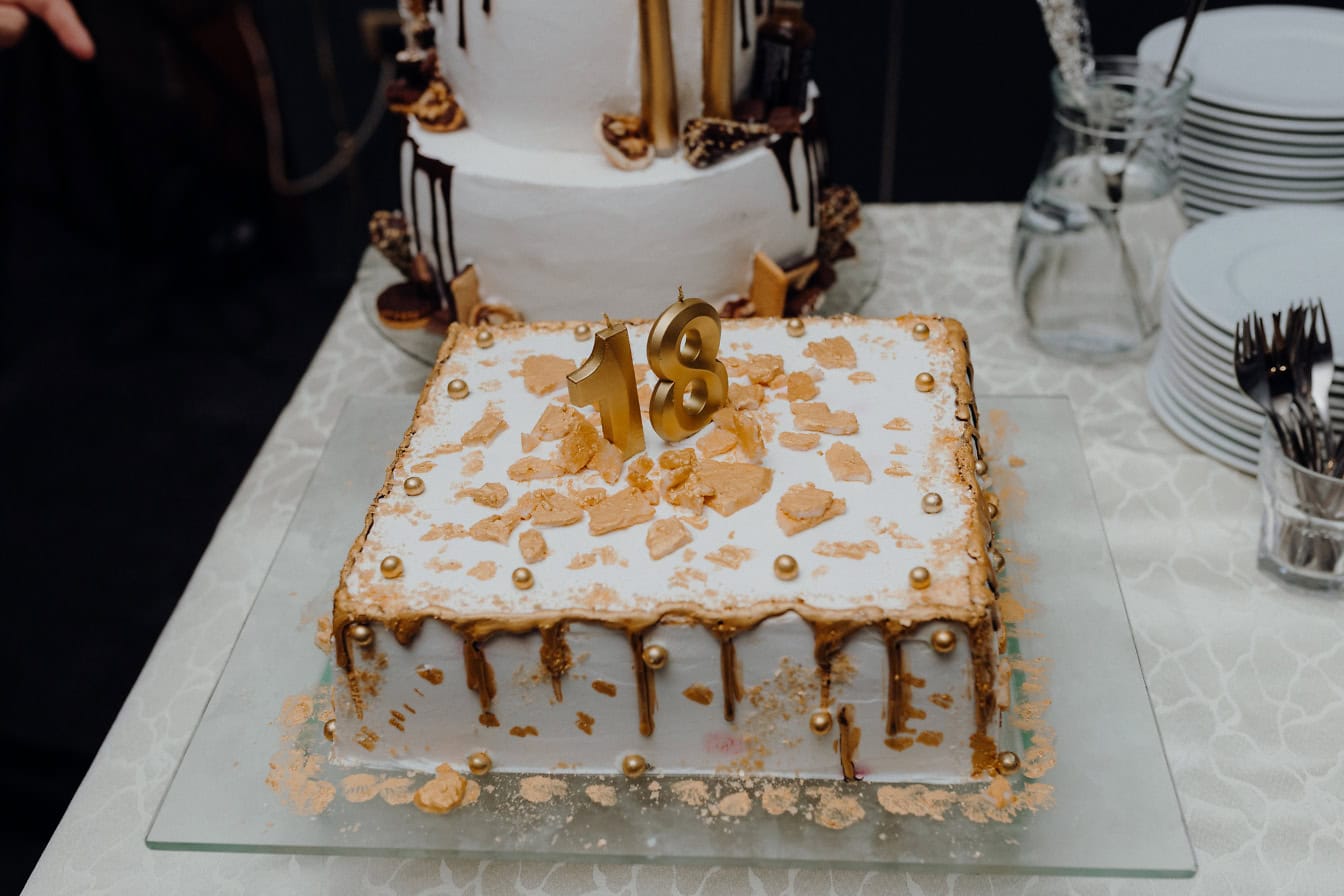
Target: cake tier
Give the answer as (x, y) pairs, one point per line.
(857, 635)
(537, 74)
(566, 235)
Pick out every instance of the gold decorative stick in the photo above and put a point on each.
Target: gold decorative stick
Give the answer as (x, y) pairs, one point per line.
(607, 380)
(684, 354)
(657, 75)
(716, 46)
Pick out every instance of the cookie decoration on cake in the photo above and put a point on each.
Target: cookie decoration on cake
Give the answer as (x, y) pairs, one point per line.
(711, 140)
(838, 217)
(437, 109)
(392, 238)
(625, 141)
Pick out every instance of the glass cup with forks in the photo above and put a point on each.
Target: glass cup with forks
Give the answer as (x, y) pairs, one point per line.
(1302, 522)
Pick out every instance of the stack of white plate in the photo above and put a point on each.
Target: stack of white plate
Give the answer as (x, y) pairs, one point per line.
(1265, 121)
(1261, 260)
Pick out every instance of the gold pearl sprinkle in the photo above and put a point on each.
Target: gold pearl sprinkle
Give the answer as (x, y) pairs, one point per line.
(981, 468)
(996, 557)
(479, 763)
(786, 568)
(522, 578)
(924, 382)
(919, 577)
(1009, 762)
(795, 327)
(921, 331)
(390, 567)
(655, 656)
(458, 389)
(361, 634)
(993, 509)
(484, 338)
(414, 485)
(634, 765)
(583, 332)
(820, 722)
(932, 502)
(329, 729)
(943, 641)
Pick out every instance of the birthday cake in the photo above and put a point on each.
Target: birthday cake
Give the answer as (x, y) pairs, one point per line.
(562, 160)
(803, 585)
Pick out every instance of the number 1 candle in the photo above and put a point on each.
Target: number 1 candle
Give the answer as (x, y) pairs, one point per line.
(607, 380)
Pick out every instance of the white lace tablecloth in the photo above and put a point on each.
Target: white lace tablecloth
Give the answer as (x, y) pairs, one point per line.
(1247, 679)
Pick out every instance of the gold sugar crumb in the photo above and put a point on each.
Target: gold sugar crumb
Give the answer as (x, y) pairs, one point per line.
(736, 366)
(532, 544)
(734, 485)
(691, 793)
(444, 531)
(852, 550)
(1015, 461)
(528, 442)
(717, 441)
(484, 430)
(746, 429)
(443, 793)
(916, 800)
(528, 469)
(555, 422)
(687, 577)
(761, 369)
(322, 637)
(602, 794)
(360, 788)
(577, 447)
(496, 528)
(473, 463)
(818, 417)
(485, 570)
(730, 556)
(832, 353)
(699, 693)
(834, 810)
(678, 457)
(399, 792)
(801, 387)
(900, 424)
(806, 506)
(437, 564)
(735, 805)
(589, 496)
(846, 464)
(622, 510)
(799, 441)
(449, 448)
(778, 800)
(607, 462)
(897, 469)
(639, 478)
(540, 789)
(423, 467)
(665, 536)
(859, 377)
(492, 494)
(548, 508)
(745, 397)
(695, 522)
(544, 373)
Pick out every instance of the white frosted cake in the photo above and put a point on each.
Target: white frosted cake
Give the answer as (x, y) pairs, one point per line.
(805, 587)
(522, 215)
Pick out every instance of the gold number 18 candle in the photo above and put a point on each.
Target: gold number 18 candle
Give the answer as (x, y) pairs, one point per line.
(684, 355)
(607, 380)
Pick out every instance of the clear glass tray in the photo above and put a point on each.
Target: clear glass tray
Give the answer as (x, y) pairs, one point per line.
(1114, 813)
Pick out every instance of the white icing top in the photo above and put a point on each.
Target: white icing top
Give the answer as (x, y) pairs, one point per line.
(906, 437)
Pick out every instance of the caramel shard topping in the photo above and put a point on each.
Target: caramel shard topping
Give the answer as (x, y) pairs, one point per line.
(805, 506)
(853, 550)
(761, 369)
(746, 398)
(897, 469)
(799, 441)
(557, 421)
(444, 531)
(529, 468)
(589, 496)
(846, 464)
(607, 462)
(544, 373)
(736, 366)
(862, 376)
(730, 555)
(832, 353)
(801, 387)
(625, 141)
(817, 416)
(710, 140)
(484, 430)
(622, 510)
(528, 442)
(734, 485)
(639, 478)
(483, 570)
(443, 793)
(900, 424)
(547, 507)
(533, 546)
(495, 528)
(473, 463)
(577, 447)
(665, 536)
(745, 428)
(492, 494)
(679, 457)
(717, 441)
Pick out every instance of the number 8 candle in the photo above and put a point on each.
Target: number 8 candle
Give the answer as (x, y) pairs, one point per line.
(683, 353)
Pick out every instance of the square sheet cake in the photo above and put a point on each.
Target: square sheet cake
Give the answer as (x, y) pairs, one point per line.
(804, 587)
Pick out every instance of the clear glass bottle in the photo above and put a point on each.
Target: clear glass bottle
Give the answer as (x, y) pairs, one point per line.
(783, 65)
(1090, 250)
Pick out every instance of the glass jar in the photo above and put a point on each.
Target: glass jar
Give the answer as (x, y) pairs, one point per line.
(1302, 522)
(1090, 249)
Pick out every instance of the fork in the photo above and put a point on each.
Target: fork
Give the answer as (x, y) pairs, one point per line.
(1252, 374)
(1319, 357)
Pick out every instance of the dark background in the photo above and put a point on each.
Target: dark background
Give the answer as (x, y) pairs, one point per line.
(159, 299)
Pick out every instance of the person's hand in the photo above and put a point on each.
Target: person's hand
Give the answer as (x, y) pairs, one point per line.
(59, 15)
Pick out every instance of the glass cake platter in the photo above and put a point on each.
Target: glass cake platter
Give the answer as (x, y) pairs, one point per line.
(1094, 796)
(856, 281)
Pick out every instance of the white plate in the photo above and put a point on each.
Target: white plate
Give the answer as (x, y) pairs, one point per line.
(1279, 122)
(1232, 175)
(1273, 60)
(1193, 146)
(1262, 143)
(1262, 260)
(1197, 118)
(1206, 412)
(1176, 419)
(1219, 202)
(1199, 180)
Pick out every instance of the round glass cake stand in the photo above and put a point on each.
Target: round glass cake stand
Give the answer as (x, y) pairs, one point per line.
(856, 281)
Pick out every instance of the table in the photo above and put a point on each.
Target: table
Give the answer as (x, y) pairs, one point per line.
(1246, 677)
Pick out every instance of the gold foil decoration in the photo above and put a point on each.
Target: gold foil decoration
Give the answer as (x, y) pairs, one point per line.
(607, 381)
(716, 47)
(658, 76)
(683, 352)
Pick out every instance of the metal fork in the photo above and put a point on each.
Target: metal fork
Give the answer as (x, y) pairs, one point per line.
(1319, 356)
(1252, 374)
